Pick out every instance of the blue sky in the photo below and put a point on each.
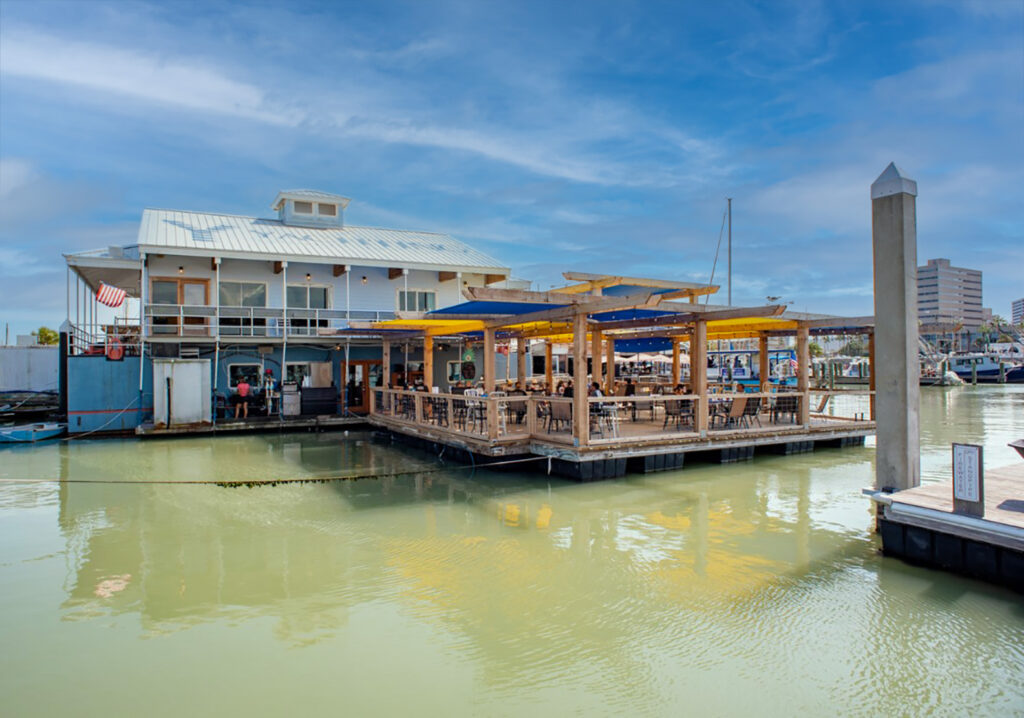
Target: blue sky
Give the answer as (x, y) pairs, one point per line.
(592, 136)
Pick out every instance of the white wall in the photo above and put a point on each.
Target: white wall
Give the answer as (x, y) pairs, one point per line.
(28, 368)
(378, 294)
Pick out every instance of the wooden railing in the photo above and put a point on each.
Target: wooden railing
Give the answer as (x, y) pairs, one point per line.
(620, 420)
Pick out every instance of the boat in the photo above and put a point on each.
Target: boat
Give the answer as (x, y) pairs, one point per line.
(986, 367)
(31, 432)
(1019, 446)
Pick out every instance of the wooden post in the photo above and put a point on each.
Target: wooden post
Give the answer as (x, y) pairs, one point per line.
(386, 359)
(580, 410)
(871, 371)
(428, 361)
(676, 375)
(699, 373)
(595, 356)
(489, 359)
(521, 361)
(764, 370)
(549, 368)
(609, 353)
(803, 363)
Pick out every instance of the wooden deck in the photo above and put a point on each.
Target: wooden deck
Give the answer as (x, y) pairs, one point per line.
(254, 424)
(619, 429)
(1004, 508)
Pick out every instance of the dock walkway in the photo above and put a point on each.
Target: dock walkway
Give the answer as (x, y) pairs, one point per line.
(919, 526)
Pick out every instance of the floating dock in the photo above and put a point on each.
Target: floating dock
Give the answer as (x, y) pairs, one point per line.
(254, 424)
(918, 525)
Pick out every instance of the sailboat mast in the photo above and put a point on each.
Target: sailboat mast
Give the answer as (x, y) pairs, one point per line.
(729, 199)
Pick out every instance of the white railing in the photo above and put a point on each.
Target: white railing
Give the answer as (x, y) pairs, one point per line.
(118, 338)
(181, 320)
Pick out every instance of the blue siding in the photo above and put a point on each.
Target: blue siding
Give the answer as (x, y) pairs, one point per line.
(104, 395)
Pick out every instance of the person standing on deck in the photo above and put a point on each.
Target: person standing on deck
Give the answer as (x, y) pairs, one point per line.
(242, 398)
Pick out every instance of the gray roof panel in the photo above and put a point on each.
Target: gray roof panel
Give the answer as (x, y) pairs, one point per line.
(229, 235)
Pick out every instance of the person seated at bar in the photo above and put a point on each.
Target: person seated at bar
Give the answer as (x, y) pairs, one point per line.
(241, 398)
(567, 392)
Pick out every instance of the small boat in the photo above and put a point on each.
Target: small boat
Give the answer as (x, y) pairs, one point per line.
(986, 368)
(31, 432)
(1019, 446)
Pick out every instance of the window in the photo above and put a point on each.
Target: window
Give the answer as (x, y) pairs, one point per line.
(417, 300)
(243, 295)
(179, 291)
(303, 207)
(237, 372)
(296, 372)
(302, 296)
(327, 210)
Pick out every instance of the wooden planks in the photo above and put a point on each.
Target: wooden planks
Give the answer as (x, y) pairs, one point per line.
(1004, 496)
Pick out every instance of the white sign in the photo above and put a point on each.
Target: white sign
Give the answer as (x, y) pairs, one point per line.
(967, 472)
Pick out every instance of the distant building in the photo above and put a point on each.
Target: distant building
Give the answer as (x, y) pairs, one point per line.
(949, 296)
(1017, 311)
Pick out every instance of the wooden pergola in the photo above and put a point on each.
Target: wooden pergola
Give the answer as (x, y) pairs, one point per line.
(592, 322)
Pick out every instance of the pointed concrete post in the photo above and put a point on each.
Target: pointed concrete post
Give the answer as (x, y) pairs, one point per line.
(896, 371)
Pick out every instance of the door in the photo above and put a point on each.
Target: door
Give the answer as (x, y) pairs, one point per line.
(361, 377)
(172, 294)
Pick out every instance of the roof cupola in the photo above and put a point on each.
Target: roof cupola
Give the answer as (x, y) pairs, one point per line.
(310, 208)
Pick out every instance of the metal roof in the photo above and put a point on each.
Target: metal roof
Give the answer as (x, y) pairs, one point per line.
(221, 235)
(310, 195)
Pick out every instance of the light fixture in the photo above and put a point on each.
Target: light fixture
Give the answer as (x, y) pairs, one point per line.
(364, 280)
(181, 270)
(308, 276)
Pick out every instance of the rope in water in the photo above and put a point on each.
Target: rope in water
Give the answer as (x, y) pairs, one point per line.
(251, 483)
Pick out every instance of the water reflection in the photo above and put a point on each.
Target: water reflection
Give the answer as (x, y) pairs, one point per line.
(718, 588)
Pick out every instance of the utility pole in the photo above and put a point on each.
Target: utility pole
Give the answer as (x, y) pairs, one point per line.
(729, 200)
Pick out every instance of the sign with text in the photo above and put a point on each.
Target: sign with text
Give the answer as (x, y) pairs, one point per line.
(968, 480)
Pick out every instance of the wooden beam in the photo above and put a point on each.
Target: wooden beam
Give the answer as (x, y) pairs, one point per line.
(762, 359)
(803, 365)
(394, 272)
(605, 304)
(609, 371)
(838, 322)
(492, 294)
(699, 375)
(588, 286)
(489, 360)
(675, 363)
(340, 269)
(492, 278)
(580, 410)
(595, 357)
(549, 368)
(428, 361)
(446, 276)
(386, 360)
(636, 281)
(521, 362)
(278, 267)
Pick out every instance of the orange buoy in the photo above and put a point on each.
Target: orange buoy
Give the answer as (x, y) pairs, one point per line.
(115, 350)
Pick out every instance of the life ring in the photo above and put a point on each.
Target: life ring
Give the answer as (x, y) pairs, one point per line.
(115, 350)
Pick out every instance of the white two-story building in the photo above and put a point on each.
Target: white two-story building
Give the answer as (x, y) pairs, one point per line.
(268, 300)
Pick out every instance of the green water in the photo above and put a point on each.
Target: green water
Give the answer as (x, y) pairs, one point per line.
(752, 589)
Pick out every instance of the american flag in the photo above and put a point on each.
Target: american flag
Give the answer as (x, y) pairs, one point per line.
(111, 296)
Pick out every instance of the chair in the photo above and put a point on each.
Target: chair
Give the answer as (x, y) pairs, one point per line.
(516, 410)
(560, 414)
(678, 411)
(735, 414)
(751, 411)
(785, 405)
